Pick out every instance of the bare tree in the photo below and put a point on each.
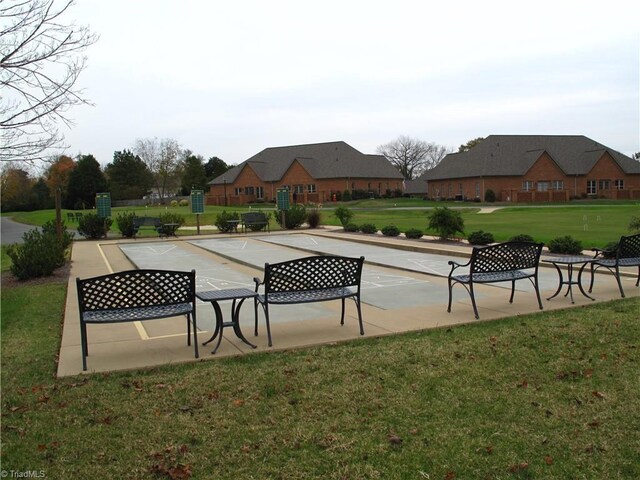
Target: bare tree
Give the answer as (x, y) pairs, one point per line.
(40, 62)
(411, 156)
(163, 158)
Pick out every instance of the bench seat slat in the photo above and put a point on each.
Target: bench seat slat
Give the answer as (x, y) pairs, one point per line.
(305, 296)
(623, 262)
(139, 313)
(493, 276)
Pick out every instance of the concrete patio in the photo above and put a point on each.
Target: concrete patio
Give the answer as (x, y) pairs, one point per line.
(404, 289)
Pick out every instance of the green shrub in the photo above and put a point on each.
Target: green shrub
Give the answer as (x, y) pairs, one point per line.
(38, 256)
(390, 231)
(346, 196)
(351, 227)
(489, 196)
(343, 214)
(368, 228)
(634, 224)
(566, 245)
(92, 226)
(67, 237)
(313, 218)
(170, 217)
(413, 233)
(124, 224)
(294, 217)
(174, 203)
(523, 237)
(480, 238)
(446, 222)
(222, 221)
(184, 202)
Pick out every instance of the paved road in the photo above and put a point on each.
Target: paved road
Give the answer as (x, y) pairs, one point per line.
(11, 232)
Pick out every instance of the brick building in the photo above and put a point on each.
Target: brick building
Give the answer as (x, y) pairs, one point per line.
(535, 168)
(312, 173)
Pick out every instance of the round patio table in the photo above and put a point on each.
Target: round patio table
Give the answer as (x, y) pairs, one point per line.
(570, 262)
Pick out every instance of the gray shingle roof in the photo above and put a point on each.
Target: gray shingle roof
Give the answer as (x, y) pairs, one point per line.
(321, 160)
(514, 155)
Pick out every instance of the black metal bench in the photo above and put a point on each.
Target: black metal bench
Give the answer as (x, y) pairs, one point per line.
(141, 222)
(504, 262)
(310, 279)
(255, 221)
(136, 295)
(627, 254)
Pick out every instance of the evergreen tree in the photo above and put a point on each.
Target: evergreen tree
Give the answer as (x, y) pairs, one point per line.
(215, 167)
(193, 174)
(85, 181)
(128, 176)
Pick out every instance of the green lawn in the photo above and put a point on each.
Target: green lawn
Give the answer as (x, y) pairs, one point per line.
(552, 395)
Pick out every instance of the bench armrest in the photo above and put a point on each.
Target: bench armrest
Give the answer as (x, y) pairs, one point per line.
(258, 282)
(455, 265)
(601, 252)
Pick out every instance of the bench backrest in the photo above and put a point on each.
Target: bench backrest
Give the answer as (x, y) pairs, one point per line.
(629, 247)
(252, 217)
(146, 221)
(136, 288)
(313, 273)
(505, 256)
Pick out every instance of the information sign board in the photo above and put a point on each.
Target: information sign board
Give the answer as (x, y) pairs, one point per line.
(197, 201)
(103, 204)
(283, 199)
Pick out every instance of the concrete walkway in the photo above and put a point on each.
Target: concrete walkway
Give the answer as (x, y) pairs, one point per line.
(405, 290)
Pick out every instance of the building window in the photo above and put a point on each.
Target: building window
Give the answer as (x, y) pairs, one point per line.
(248, 190)
(604, 184)
(557, 185)
(238, 190)
(460, 188)
(311, 188)
(527, 185)
(592, 187)
(477, 189)
(618, 184)
(543, 186)
(259, 192)
(298, 189)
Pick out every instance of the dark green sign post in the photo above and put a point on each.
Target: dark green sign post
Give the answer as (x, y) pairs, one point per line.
(282, 198)
(197, 205)
(103, 204)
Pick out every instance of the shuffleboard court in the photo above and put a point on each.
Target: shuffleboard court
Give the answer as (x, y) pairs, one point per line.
(380, 288)
(429, 263)
(212, 275)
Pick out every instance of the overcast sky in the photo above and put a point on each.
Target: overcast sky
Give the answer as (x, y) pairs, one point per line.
(230, 78)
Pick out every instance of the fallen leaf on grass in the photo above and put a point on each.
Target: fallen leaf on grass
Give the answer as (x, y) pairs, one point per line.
(394, 440)
(597, 394)
(238, 402)
(548, 460)
(518, 467)
(450, 476)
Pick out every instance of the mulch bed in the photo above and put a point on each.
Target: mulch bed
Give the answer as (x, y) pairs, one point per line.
(60, 275)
